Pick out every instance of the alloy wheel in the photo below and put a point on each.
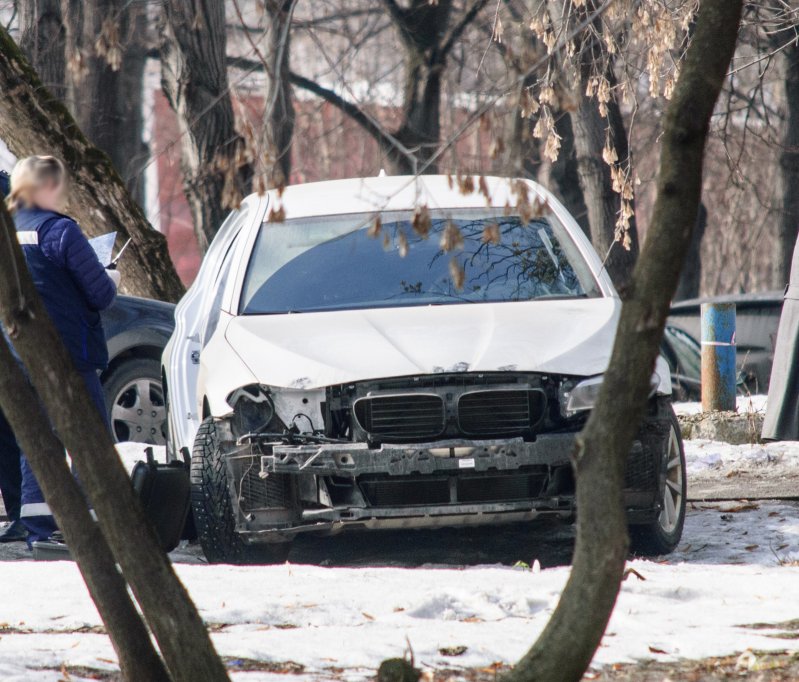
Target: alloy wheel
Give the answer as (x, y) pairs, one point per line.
(138, 413)
(673, 489)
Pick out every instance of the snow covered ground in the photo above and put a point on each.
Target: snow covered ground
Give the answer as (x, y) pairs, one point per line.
(749, 403)
(732, 571)
(344, 604)
(702, 456)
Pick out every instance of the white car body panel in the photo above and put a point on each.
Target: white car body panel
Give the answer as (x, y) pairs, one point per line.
(180, 359)
(312, 350)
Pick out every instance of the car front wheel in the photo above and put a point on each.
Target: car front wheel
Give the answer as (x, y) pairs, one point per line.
(214, 516)
(662, 535)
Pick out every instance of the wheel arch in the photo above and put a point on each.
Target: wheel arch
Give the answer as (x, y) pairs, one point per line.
(143, 352)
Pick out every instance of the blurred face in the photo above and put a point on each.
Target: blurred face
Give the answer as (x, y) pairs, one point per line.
(49, 196)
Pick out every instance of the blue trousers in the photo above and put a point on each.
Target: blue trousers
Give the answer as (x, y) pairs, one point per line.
(34, 512)
(10, 474)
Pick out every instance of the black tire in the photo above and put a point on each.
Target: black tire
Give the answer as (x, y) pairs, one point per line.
(124, 388)
(662, 535)
(213, 512)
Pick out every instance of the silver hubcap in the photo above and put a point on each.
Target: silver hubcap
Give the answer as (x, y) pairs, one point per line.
(139, 413)
(673, 490)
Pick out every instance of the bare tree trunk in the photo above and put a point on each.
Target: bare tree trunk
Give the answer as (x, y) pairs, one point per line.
(523, 151)
(278, 127)
(95, 30)
(602, 202)
(691, 274)
(138, 658)
(132, 85)
(106, 54)
(421, 27)
(41, 38)
(570, 639)
(566, 176)
(788, 228)
(178, 629)
(216, 175)
(563, 176)
(33, 121)
(428, 33)
(92, 58)
(591, 130)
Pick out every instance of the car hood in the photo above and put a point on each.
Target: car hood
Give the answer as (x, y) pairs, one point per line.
(312, 350)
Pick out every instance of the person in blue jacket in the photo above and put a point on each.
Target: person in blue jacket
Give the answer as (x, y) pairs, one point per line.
(74, 287)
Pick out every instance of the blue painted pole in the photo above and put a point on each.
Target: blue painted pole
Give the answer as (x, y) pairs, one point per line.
(719, 372)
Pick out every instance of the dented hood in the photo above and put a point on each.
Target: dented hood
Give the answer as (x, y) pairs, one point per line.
(312, 350)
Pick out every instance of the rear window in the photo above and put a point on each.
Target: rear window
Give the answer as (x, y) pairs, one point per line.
(338, 263)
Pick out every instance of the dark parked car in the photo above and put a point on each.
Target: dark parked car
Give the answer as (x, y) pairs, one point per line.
(758, 317)
(137, 330)
(684, 355)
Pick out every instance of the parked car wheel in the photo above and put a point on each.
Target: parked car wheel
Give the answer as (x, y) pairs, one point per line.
(662, 535)
(213, 512)
(135, 398)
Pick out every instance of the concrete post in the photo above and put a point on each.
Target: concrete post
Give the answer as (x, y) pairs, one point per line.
(719, 372)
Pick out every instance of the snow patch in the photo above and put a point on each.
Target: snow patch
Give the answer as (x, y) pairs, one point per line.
(130, 453)
(705, 455)
(745, 405)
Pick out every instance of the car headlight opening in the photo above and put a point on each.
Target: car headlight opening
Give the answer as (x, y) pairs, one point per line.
(253, 409)
(581, 396)
(577, 397)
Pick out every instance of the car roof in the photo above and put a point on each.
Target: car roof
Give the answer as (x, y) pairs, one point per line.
(395, 193)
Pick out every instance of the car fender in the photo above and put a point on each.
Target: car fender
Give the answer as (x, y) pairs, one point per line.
(227, 373)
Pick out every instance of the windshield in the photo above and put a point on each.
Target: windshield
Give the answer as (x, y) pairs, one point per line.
(339, 263)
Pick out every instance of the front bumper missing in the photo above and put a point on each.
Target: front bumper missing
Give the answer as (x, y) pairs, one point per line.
(312, 473)
(354, 459)
(334, 521)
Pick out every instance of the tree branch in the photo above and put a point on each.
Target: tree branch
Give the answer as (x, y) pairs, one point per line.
(397, 13)
(383, 138)
(312, 22)
(453, 35)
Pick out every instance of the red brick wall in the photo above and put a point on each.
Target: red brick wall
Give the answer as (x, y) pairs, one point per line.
(327, 145)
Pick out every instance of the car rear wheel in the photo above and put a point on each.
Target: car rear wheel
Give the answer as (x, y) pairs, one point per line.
(662, 535)
(213, 512)
(135, 398)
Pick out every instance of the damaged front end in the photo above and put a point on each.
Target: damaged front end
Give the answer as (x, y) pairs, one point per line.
(424, 451)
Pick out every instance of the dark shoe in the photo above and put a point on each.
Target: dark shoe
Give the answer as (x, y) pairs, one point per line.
(53, 549)
(14, 532)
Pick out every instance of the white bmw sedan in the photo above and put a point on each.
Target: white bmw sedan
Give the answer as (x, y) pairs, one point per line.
(400, 352)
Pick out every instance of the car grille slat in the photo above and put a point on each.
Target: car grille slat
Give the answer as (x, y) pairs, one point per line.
(254, 492)
(382, 490)
(401, 417)
(641, 470)
(500, 412)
